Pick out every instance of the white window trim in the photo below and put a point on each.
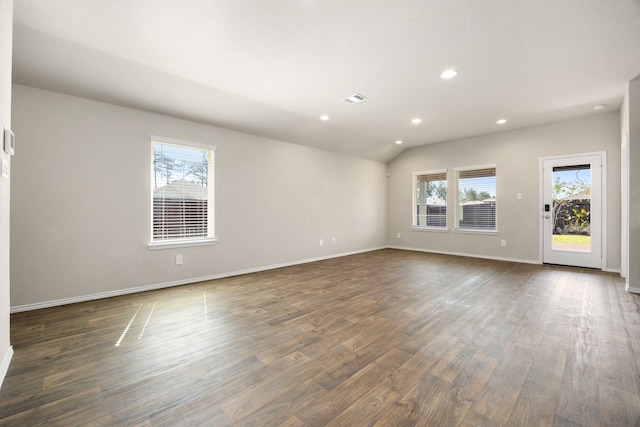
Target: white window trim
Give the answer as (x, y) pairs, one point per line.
(430, 228)
(414, 176)
(456, 228)
(182, 142)
(177, 243)
(184, 243)
(477, 230)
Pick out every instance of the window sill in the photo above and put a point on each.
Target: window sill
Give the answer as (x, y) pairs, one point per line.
(476, 231)
(181, 244)
(425, 228)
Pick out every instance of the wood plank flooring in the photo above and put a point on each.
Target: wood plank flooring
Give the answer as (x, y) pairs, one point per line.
(385, 338)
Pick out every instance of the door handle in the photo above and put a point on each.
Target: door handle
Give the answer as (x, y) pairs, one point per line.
(547, 216)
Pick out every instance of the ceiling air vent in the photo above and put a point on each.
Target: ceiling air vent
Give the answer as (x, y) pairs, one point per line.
(356, 97)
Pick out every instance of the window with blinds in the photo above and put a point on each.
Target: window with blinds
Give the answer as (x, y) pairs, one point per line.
(430, 199)
(182, 191)
(476, 198)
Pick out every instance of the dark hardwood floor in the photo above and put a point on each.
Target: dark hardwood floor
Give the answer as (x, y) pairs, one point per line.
(386, 338)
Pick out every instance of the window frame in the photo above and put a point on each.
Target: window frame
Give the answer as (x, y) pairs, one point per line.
(210, 238)
(457, 211)
(414, 220)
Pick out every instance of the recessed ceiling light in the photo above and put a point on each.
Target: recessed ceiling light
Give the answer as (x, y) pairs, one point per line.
(501, 121)
(324, 117)
(398, 142)
(416, 121)
(599, 107)
(449, 74)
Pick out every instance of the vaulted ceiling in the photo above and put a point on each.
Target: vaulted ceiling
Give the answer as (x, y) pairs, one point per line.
(273, 67)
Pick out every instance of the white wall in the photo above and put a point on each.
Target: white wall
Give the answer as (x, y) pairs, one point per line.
(631, 127)
(81, 201)
(517, 155)
(6, 25)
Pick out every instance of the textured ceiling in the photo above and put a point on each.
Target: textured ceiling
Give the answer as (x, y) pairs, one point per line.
(271, 68)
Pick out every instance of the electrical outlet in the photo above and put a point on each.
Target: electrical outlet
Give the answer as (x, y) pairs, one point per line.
(321, 242)
(334, 240)
(398, 235)
(179, 259)
(503, 243)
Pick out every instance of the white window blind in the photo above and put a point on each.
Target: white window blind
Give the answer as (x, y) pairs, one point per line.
(476, 201)
(430, 199)
(182, 191)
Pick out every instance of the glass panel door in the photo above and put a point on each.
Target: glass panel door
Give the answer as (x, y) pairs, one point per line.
(572, 211)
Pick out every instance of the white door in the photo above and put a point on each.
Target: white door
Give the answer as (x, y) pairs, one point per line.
(572, 210)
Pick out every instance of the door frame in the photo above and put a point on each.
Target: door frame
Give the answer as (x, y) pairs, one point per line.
(603, 182)
(624, 241)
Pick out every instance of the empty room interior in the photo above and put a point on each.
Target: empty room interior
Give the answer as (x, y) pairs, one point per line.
(312, 212)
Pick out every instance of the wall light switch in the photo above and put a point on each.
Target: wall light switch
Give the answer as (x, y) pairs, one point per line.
(519, 196)
(179, 259)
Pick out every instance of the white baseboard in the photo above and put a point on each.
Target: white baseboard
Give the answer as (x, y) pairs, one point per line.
(83, 298)
(526, 261)
(5, 364)
(632, 289)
